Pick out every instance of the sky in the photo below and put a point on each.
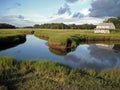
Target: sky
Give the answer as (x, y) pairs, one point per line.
(30, 12)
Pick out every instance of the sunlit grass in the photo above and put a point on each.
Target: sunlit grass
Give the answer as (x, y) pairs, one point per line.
(64, 35)
(12, 36)
(47, 75)
(44, 74)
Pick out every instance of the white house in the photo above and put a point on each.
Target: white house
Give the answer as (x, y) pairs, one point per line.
(104, 28)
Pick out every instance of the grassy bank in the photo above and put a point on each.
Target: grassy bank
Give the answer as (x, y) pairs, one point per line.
(13, 36)
(71, 38)
(12, 39)
(46, 75)
(65, 38)
(15, 31)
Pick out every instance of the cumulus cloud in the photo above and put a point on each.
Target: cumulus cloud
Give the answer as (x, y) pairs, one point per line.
(20, 17)
(64, 9)
(71, 1)
(102, 8)
(97, 50)
(84, 20)
(77, 15)
(17, 20)
(18, 4)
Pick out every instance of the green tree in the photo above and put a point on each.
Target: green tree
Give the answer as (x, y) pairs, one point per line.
(115, 21)
(6, 26)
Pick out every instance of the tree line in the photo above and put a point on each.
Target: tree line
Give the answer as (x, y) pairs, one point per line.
(64, 26)
(6, 26)
(115, 21)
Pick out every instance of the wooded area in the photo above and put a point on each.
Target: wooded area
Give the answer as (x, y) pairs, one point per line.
(64, 26)
(6, 26)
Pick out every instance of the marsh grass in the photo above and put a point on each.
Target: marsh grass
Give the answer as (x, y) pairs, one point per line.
(13, 36)
(47, 75)
(61, 36)
(77, 36)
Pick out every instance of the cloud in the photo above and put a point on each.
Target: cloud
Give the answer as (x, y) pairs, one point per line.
(18, 4)
(20, 17)
(77, 15)
(84, 20)
(97, 50)
(71, 1)
(17, 20)
(103, 8)
(85, 12)
(64, 9)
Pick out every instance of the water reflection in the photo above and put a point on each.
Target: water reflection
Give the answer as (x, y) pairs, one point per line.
(61, 51)
(95, 56)
(8, 46)
(116, 48)
(105, 46)
(92, 56)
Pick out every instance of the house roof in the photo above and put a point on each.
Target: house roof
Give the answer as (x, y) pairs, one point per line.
(106, 25)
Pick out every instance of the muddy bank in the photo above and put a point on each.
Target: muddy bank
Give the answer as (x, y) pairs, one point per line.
(103, 39)
(71, 43)
(58, 51)
(42, 36)
(75, 40)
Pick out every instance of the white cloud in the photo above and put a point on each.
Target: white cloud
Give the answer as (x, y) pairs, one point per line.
(84, 20)
(39, 19)
(16, 20)
(85, 11)
(71, 1)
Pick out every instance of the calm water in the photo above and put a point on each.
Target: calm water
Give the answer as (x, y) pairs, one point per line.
(93, 56)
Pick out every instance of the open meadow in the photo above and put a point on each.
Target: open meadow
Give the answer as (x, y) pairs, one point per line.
(63, 38)
(47, 75)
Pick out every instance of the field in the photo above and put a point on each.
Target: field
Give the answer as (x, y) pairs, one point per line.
(64, 38)
(47, 75)
(72, 38)
(11, 36)
(58, 40)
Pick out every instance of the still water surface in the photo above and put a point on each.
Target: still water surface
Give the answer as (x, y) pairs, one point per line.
(92, 56)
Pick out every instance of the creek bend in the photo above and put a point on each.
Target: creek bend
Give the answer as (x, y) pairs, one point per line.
(91, 56)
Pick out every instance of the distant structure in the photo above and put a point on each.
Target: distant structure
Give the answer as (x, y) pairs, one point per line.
(104, 28)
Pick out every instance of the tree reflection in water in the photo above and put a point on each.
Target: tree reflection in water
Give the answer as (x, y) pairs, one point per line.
(8, 46)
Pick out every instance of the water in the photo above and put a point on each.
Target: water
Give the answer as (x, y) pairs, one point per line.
(92, 56)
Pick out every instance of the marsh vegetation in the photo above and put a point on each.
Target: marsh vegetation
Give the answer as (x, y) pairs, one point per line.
(46, 74)
(22, 75)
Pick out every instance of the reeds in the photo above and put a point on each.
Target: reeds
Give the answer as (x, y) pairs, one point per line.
(44, 74)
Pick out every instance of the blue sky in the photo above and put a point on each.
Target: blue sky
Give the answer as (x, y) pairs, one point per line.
(30, 12)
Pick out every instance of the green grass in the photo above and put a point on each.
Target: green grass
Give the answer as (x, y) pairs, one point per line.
(61, 35)
(72, 38)
(15, 31)
(61, 38)
(12, 36)
(66, 33)
(12, 39)
(47, 75)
